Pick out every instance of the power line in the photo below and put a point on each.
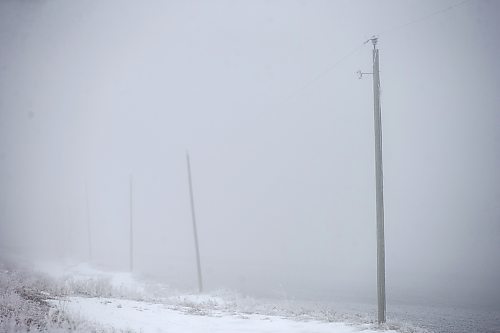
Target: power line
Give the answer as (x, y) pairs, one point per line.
(423, 18)
(325, 71)
(330, 68)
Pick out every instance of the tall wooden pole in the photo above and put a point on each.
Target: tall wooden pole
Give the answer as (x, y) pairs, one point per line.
(379, 180)
(195, 231)
(89, 237)
(131, 233)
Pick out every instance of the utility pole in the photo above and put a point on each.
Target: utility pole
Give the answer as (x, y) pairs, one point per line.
(131, 233)
(379, 179)
(195, 232)
(89, 238)
(379, 182)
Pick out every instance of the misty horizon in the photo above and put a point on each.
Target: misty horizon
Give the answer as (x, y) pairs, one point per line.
(265, 97)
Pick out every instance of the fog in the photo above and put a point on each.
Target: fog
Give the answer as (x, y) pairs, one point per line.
(265, 97)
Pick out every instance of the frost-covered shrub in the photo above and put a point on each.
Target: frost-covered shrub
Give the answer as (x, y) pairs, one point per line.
(24, 306)
(92, 287)
(20, 303)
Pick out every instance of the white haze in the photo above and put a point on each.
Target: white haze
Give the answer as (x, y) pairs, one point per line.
(281, 142)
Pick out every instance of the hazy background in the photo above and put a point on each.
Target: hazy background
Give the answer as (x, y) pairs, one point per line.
(281, 141)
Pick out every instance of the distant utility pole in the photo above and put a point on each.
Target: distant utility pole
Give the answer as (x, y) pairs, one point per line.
(379, 184)
(131, 234)
(197, 249)
(89, 238)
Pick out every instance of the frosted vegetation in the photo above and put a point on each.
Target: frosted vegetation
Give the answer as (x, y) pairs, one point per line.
(25, 297)
(33, 299)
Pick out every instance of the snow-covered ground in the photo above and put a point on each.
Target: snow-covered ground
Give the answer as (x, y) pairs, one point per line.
(147, 317)
(82, 298)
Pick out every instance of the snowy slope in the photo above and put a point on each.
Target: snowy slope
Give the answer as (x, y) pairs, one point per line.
(153, 317)
(123, 301)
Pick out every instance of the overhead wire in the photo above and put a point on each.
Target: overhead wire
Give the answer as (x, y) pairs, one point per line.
(330, 68)
(325, 71)
(423, 18)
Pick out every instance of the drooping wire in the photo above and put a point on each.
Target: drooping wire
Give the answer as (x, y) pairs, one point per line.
(357, 48)
(423, 18)
(325, 71)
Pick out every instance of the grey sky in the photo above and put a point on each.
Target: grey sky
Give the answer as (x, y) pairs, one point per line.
(281, 142)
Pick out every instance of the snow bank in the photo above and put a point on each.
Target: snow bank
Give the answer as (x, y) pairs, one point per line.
(84, 279)
(150, 317)
(105, 291)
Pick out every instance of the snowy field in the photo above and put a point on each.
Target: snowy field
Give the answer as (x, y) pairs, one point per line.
(80, 298)
(156, 317)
